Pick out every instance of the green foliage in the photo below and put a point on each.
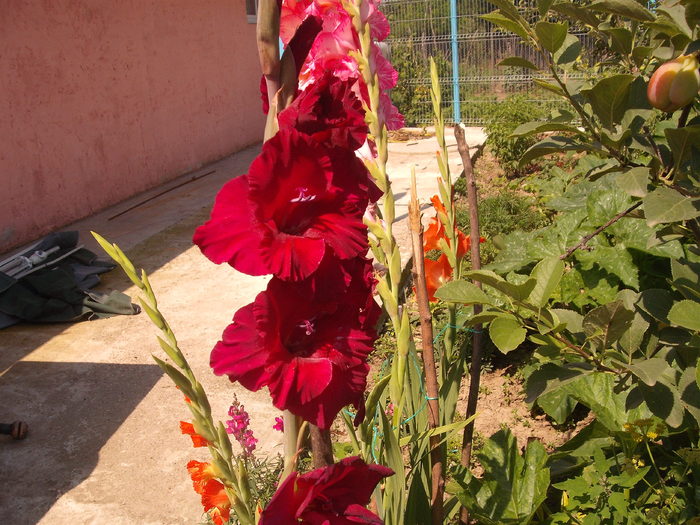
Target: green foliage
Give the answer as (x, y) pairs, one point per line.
(513, 486)
(501, 214)
(500, 121)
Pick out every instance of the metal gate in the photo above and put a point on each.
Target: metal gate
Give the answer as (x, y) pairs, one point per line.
(461, 42)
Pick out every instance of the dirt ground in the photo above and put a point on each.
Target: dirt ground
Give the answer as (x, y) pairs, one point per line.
(104, 444)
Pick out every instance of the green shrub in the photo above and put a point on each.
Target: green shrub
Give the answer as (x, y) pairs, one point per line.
(500, 215)
(501, 119)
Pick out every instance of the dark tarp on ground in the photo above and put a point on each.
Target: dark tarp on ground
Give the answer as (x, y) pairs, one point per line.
(59, 289)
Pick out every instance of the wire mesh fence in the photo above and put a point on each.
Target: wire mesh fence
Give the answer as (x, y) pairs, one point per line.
(421, 29)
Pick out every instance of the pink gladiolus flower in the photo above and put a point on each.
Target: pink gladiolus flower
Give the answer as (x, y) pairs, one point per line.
(298, 199)
(389, 114)
(279, 424)
(292, 14)
(306, 341)
(334, 495)
(370, 14)
(388, 76)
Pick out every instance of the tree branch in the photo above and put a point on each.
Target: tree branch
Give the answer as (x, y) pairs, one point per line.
(431, 381)
(588, 237)
(475, 369)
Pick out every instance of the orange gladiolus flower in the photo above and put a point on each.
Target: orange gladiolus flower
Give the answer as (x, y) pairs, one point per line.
(437, 273)
(215, 499)
(438, 205)
(213, 493)
(197, 440)
(201, 473)
(436, 231)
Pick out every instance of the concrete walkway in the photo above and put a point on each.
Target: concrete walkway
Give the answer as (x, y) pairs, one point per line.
(104, 444)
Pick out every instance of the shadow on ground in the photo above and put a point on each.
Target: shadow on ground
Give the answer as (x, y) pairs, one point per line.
(151, 254)
(87, 403)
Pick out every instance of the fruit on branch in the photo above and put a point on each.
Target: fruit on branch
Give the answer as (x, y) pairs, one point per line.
(675, 84)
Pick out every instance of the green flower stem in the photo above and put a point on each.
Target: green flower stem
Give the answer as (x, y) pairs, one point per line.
(448, 220)
(183, 376)
(385, 248)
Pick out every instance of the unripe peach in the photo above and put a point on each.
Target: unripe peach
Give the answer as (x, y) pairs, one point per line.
(675, 84)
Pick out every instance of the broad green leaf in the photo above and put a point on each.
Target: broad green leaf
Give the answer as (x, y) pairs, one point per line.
(569, 50)
(507, 7)
(518, 62)
(664, 205)
(547, 274)
(682, 141)
(604, 325)
(534, 128)
(608, 98)
(649, 370)
(634, 182)
(599, 393)
(519, 292)
(604, 203)
(664, 399)
(543, 6)
(656, 302)
(507, 333)
(689, 392)
(558, 405)
(620, 39)
(551, 145)
(616, 260)
(549, 86)
(551, 35)
(462, 292)
(513, 486)
(582, 14)
(627, 8)
(633, 337)
(485, 317)
(551, 377)
(686, 313)
(573, 320)
(504, 22)
(675, 14)
(686, 277)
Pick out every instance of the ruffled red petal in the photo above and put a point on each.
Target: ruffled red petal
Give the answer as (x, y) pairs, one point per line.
(232, 234)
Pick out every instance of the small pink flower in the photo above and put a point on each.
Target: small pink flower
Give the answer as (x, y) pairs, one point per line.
(238, 427)
(279, 424)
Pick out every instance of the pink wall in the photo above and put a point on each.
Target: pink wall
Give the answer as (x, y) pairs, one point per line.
(100, 100)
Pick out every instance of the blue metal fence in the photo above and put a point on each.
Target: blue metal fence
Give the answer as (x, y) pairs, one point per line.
(466, 49)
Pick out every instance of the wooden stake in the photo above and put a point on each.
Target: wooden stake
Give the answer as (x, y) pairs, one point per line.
(321, 447)
(431, 382)
(475, 370)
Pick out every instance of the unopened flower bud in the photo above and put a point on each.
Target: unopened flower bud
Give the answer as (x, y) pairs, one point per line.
(675, 84)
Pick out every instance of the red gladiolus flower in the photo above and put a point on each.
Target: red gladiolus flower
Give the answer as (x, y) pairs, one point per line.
(437, 273)
(188, 429)
(329, 111)
(298, 199)
(308, 350)
(334, 495)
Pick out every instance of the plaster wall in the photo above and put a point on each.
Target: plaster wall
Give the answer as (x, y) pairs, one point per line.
(101, 100)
